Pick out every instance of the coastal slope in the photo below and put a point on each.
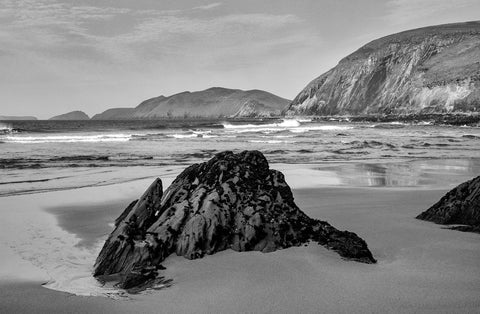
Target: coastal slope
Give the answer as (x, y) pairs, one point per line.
(73, 115)
(422, 71)
(213, 102)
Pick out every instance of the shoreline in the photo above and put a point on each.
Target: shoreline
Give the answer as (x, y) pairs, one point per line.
(413, 172)
(418, 261)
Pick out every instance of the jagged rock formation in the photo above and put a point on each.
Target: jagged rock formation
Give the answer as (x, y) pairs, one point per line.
(73, 115)
(213, 102)
(428, 70)
(459, 206)
(232, 201)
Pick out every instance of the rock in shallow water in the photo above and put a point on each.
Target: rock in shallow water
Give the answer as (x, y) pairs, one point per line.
(459, 206)
(232, 201)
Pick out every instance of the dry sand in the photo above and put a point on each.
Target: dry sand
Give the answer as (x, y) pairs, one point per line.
(421, 267)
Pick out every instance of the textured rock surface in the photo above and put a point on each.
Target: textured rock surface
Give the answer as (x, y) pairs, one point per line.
(232, 201)
(74, 115)
(459, 206)
(429, 70)
(213, 102)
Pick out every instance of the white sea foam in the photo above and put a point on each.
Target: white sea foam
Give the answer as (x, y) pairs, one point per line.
(304, 120)
(67, 138)
(287, 123)
(182, 135)
(193, 134)
(5, 128)
(268, 142)
(46, 250)
(293, 126)
(321, 128)
(425, 123)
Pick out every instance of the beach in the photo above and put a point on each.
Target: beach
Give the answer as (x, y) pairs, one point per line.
(52, 239)
(240, 157)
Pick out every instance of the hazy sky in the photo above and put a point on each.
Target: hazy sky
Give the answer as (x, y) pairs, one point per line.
(57, 56)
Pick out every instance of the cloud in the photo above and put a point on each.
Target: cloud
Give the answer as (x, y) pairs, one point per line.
(208, 6)
(67, 39)
(124, 34)
(400, 12)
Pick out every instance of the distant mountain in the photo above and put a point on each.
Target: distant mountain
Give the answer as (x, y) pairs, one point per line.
(6, 118)
(114, 114)
(74, 115)
(428, 70)
(213, 102)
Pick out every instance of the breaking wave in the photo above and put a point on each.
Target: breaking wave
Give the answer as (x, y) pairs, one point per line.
(5, 128)
(287, 123)
(67, 138)
(290, 125)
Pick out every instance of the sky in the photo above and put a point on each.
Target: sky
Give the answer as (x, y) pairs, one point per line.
(90, 55)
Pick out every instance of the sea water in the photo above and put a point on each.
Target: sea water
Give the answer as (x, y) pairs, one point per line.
(38, 156)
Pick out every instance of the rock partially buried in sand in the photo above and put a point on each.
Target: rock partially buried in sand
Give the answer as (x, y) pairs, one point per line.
(459, 206)
(233, 201)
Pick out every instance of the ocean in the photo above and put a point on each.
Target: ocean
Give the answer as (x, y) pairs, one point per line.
(38, 156)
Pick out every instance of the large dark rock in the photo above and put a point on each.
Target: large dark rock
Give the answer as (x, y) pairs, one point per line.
(233, 201)
(459, 206)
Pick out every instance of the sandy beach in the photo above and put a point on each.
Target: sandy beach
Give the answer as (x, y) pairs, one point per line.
(53, 239)
(240, 156)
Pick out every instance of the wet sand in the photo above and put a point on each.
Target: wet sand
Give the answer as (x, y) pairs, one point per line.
(422, 267)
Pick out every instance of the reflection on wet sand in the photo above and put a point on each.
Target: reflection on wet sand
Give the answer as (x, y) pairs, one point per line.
(415, 173)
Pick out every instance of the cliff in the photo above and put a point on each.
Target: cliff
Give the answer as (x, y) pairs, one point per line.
(213, 102)
(459, 206)
(428, 70)
(73, 115)
(233, 201)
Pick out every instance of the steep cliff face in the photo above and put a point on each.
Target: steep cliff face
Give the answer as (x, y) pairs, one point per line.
(74, 115)
(429, 70)
(212, 102)
(233, 201)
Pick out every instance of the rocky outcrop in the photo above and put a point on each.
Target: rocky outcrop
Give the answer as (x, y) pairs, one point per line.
(459, 206)
(210, 103)
(233, 201)
(429, 70)
(74, 115)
